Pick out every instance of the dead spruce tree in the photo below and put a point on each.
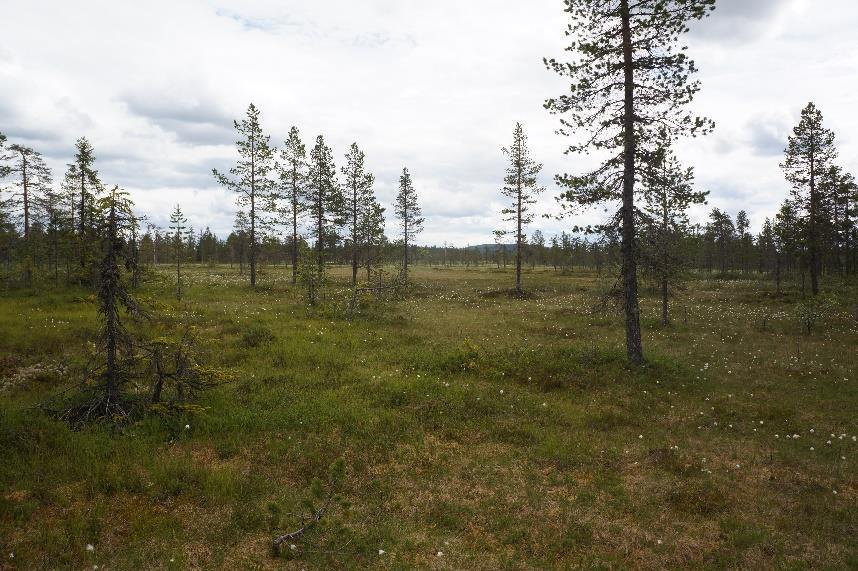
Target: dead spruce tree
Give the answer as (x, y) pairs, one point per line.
(251, 181)
(521, 187)
(808, 156)
(669, 194)
(180, 233)
(629, 79)
(359, 197)
(292, 170)
(408, 212)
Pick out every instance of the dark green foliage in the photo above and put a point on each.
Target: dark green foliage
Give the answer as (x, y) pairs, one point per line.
(630, 81)
(250, 180)
(521, 188)
(292, 189)
(409, 214)
(325, 200)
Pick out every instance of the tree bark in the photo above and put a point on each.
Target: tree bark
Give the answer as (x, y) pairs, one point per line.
(634, 348)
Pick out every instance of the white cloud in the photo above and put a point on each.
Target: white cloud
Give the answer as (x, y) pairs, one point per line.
(436, 86)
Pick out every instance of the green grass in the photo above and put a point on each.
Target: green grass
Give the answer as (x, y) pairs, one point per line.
(505, 433)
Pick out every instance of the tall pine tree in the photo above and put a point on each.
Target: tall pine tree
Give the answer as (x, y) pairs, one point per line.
(521, 188)
(359, 197)
(409, 213)
(251, 180)
(809, 154)
(324, 199)
(630, 79)
(33, 180)
(293, 183)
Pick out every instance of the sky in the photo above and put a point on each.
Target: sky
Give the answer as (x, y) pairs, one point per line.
(434, 86)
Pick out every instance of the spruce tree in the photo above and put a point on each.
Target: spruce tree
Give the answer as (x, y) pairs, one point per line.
(359, 198)
(809, 153)
(629, 79)
(409, 213)
(251, 179)
(82, 181)
(116, 213)
(293, 181)
(180, 232)
(521, 187)
(324, 199)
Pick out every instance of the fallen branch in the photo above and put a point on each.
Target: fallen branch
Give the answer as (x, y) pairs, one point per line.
(299, 533)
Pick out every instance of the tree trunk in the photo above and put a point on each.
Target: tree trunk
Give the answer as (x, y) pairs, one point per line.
(252, 213)
(634, 348)
(294, 233)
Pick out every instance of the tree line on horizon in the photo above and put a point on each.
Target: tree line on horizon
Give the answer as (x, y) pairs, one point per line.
(631, 81)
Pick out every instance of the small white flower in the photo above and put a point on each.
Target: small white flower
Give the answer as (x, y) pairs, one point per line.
(640, 436)
(439, 554)
(293, 547)
(90, 547)
(187, 427)
(381, 551)
(659, 542)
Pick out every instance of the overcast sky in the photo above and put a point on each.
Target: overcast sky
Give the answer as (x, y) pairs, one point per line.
(436, 86)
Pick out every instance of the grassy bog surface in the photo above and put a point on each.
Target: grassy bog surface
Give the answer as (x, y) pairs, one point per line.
(479, 430)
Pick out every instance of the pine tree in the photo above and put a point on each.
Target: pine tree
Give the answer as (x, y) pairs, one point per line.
(408, 212)
(293, 182)
(324, 199)
(669, 194)
(371, 232)
(838, 190)
(33, 181)
(721, 232)
(630, 79)
(241, 228)
(808, 155)
(788, 231)
(180, 232)
(58, 228)
(521, 187)
(359, 198)
(744, 238)
(251, 181)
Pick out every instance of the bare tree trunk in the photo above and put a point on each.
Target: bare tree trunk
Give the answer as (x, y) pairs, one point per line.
(518, 240)
(634, 348)
(294, 237)
(252, 223)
